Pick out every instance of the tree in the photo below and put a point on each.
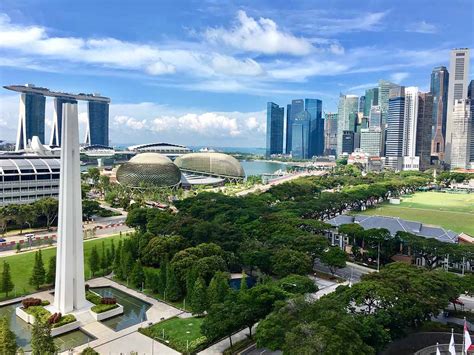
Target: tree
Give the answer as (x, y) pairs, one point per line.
(218, 288)
(199, 301)
(288, 261)
(18, 247)
(163, 276)
(39, 274)
(137, 275)
(89, 208)
(334, 258)
(51, 274)
(8, 344)
(89, 351)
(191, 278)
(48, 207)
(104, 260)
(221, 321)
(173, 291)
(94, 260)
(117, 265)
(42, 342)
(6, 282)
(243, 282)
(297, 284)
(137, 218)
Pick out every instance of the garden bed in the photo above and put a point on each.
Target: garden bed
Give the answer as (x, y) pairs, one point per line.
(101, 311)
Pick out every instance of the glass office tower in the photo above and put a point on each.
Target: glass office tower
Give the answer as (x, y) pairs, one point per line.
(275, 123)
(293, 110)
(58, 119)
(98, 123)
(439, 89)
(316, 136)
(31, 119)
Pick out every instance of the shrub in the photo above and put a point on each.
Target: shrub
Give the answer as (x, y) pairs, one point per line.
(100, 308)
(93, 297)
(68, 318)
(30, 301)
(89, 351)
(54, 318)
(108, 300)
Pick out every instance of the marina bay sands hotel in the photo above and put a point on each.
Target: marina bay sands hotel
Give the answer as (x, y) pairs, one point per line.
(31, 120)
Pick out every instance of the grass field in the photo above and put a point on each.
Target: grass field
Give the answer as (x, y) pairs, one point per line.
(21, 265)
(180, 332)
(450, 211)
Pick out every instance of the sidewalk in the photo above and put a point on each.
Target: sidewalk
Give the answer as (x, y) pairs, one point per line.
(218, 348)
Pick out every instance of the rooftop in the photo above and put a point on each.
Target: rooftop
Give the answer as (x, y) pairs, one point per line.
(395, 224)
(46, 92)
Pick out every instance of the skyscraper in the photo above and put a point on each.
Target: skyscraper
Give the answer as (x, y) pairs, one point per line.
(330, 133)
(346, 117)
(58, 119)
(31, 119)
(292, 111)
(410, 121)
(316, 136)
(375, 117)
(424, 129)
(275, 123)
(462, 137)
(458, 89)
(395, 128)
(347, 142)
(371, 99)
(371, 141)
(384, 93)
(98, 123)
(307, 128)
(362, 104)
(439, 89)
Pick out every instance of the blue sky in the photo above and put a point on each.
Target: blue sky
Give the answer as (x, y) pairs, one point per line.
(201, 72)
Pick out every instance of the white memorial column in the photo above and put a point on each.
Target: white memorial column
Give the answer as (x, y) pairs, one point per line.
(69, 293)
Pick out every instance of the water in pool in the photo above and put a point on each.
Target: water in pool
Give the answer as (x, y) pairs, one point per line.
(22, 332)
(134, 309)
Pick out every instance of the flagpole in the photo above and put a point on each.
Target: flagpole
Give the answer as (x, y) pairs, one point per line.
(463, 337)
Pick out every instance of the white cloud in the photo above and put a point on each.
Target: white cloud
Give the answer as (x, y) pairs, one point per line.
(260, 36)
(365, 22)
(231, 66)
(399, 77)
(421, 27)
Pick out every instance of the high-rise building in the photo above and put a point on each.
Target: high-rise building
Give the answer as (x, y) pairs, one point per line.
(423, 129)
(375, 117)
(58, 119)
(275, 123)
(330, 133)
(307, 128)
(347, 142)
(316, 124)
(458, 89)
(98, 123)
(31, 118)
(371, 99)
(346, 117)
(462, 136)
(288, 130)
(395, 128)
(410, 121)
(470, 90)
(292, 111)
(439, 89)
(371, 141)
(362, 104)
(384, 93)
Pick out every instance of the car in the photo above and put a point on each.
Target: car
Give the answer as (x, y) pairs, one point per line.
(2, 240)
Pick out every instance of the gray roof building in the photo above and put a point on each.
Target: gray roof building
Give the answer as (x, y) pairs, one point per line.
(395, 224)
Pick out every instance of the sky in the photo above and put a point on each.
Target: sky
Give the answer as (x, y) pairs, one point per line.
(201, 72)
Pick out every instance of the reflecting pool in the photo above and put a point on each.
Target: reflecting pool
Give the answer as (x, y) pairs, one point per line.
(134, 309)
(22, 331)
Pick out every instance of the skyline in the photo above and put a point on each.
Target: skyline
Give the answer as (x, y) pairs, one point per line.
(203, 75)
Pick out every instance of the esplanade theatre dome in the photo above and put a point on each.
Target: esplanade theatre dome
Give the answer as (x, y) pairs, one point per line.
(149, 169)
(216, 164)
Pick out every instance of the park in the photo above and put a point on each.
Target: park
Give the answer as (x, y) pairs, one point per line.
(454, 211)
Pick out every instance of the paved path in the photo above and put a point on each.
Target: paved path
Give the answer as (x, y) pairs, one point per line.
(351, 272)
(219, 347)
(137, 342)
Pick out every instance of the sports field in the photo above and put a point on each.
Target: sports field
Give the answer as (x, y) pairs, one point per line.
(450, 211)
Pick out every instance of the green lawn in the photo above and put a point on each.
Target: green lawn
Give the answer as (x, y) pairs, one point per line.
(179, 332)
(450, 211)
(21, 265)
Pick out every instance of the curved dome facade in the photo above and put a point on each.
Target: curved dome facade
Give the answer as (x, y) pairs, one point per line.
(149, 169)
(211, 163)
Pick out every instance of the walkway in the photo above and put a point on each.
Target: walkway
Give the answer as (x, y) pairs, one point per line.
(218, 348)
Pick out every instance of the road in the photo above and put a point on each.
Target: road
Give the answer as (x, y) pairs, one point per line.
(286, 178)
(352, 272)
